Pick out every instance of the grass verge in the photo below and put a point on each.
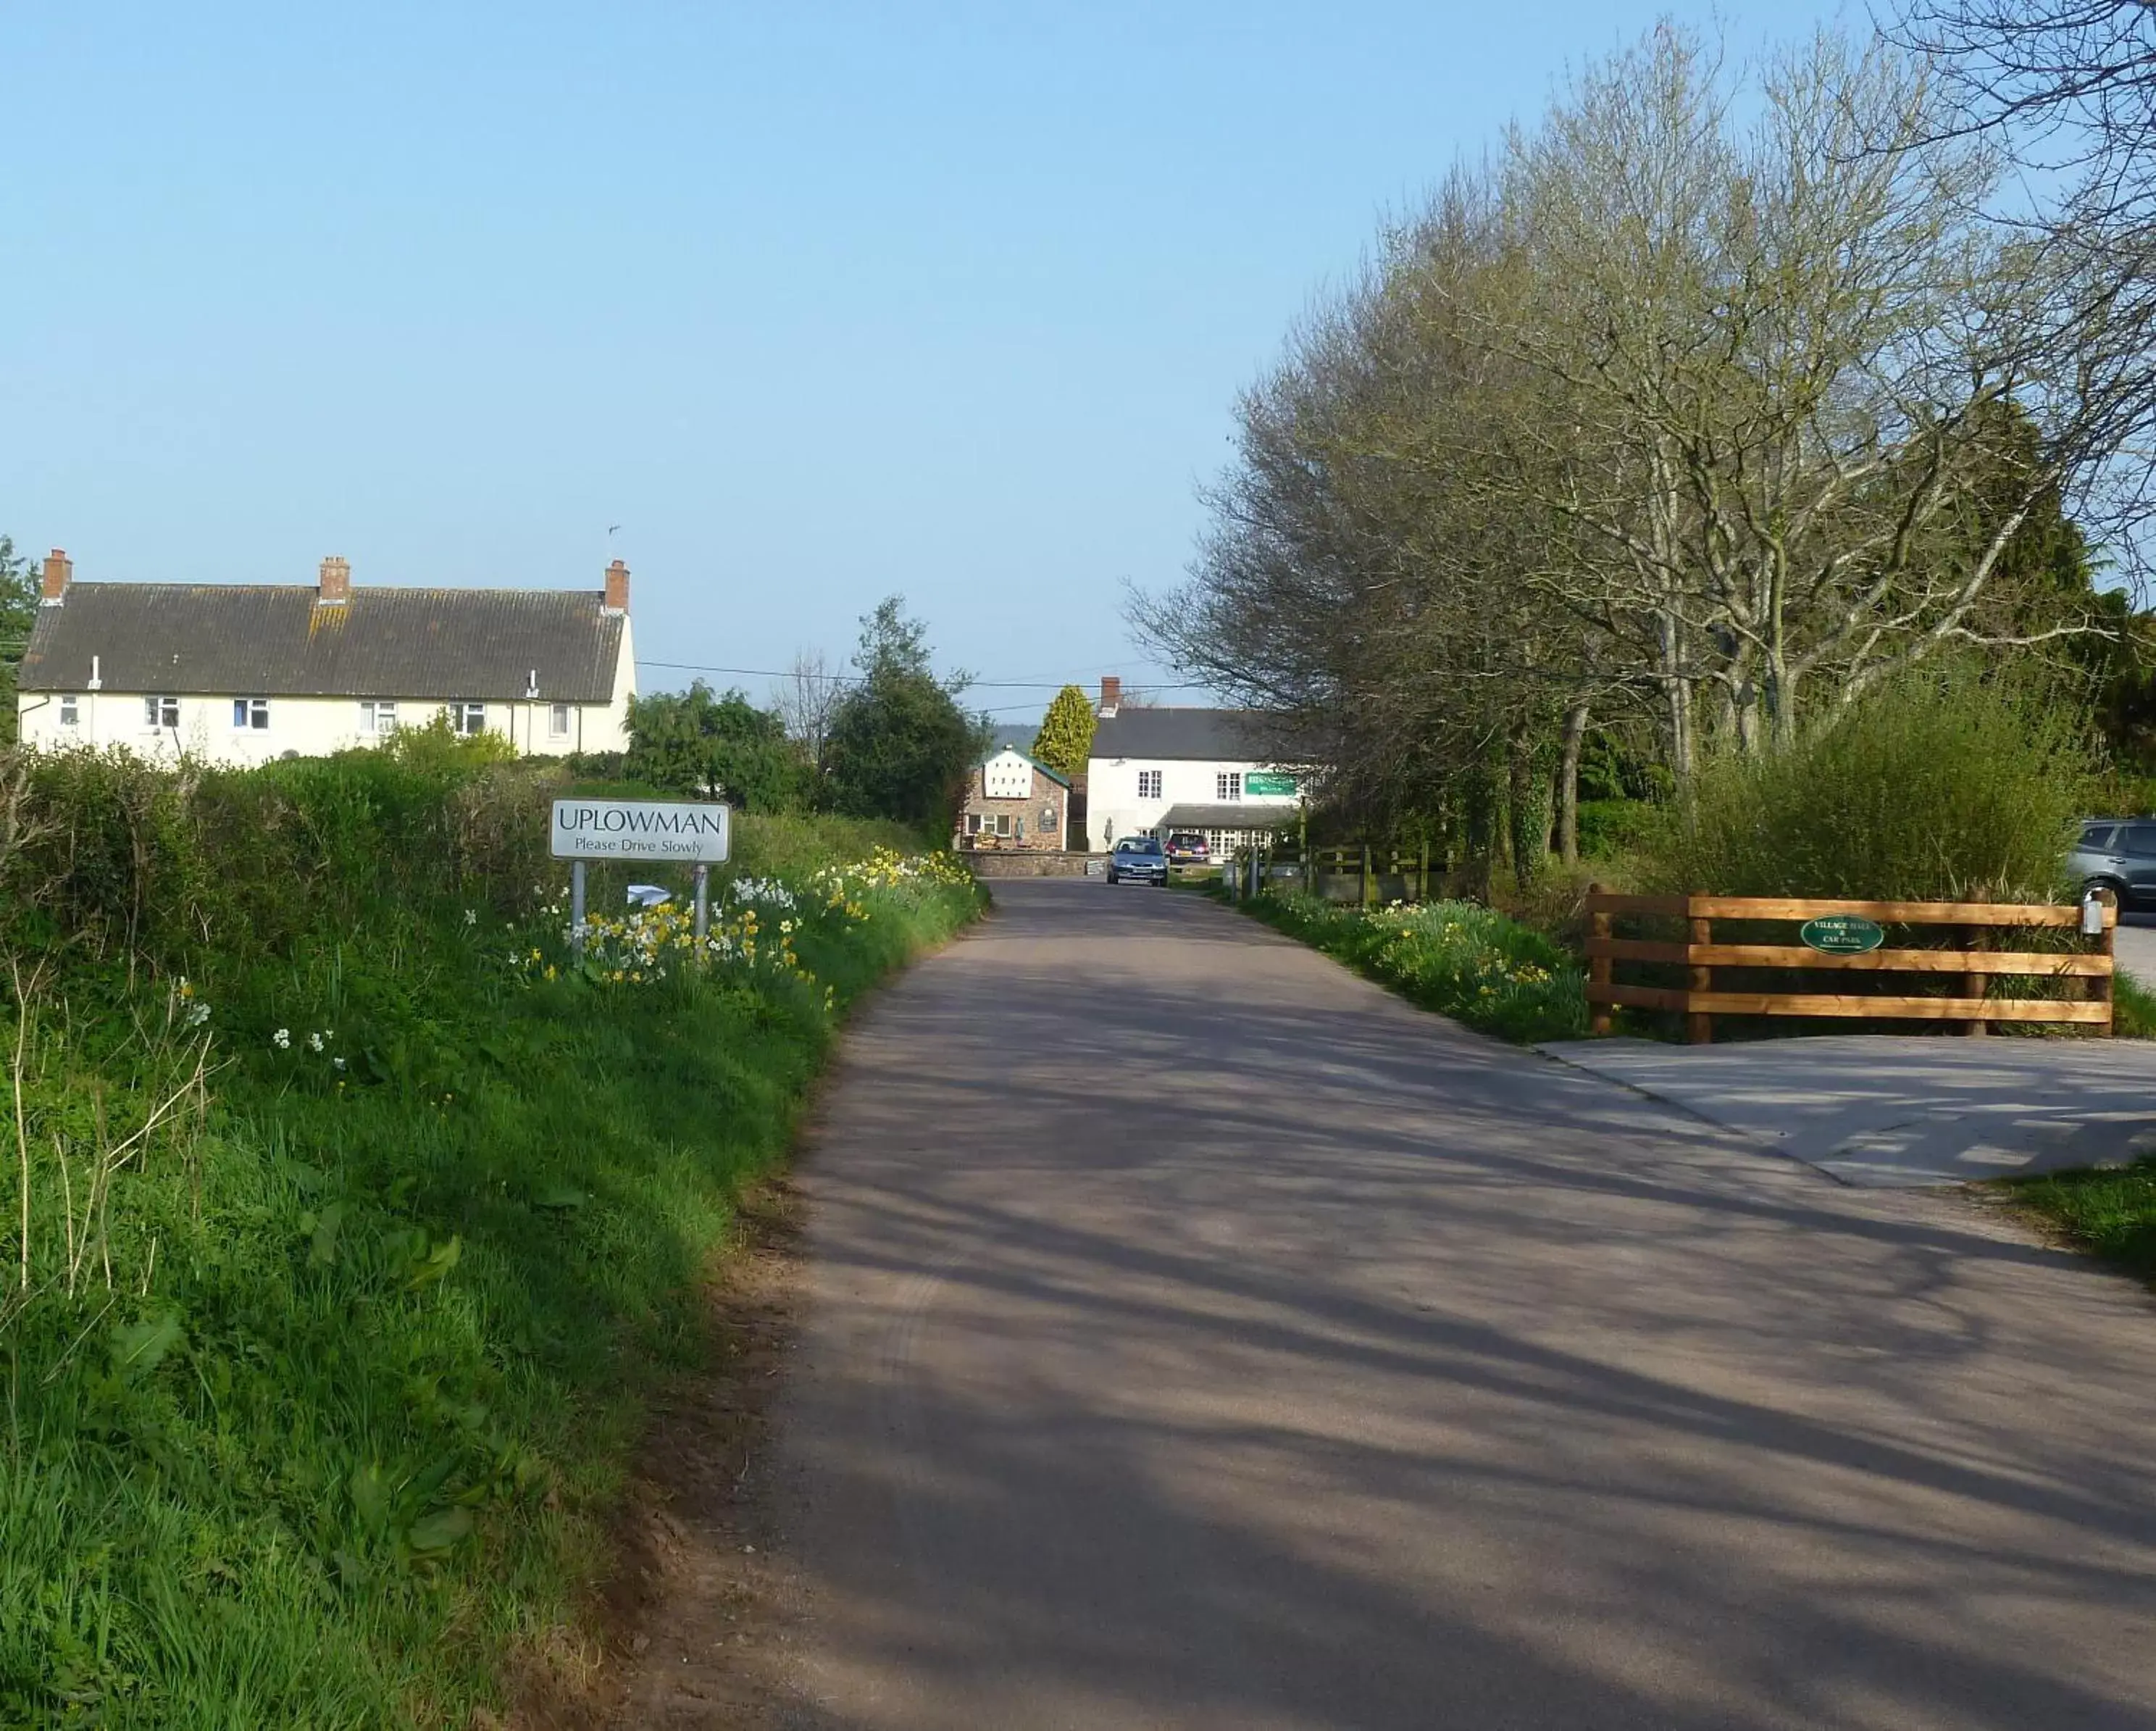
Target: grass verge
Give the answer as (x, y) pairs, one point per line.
(353, 1224)
(1459, 959)
(2110, 1213)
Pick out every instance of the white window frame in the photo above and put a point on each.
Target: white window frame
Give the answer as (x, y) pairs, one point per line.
(1002, 822)
(70, 709)
(1149, 784)
(1048, 821)
(557, 721)
(377, 714)
(973, 823)
(468, 719)
(1228, 786)
(250, 715)
(159, 713)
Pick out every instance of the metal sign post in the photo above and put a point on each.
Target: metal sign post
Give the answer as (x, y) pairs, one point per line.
(662, 830)
(576, 910)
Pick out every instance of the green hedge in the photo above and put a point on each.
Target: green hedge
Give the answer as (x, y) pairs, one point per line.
(362, 1224)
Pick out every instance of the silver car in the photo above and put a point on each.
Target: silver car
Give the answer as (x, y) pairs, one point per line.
(2118, 855)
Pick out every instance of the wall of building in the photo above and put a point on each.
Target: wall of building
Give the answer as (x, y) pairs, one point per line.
(1024, 812)
(1115, 808)
(305, 727)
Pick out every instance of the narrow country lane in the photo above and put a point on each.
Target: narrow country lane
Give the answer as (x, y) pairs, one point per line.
(1196, 1337)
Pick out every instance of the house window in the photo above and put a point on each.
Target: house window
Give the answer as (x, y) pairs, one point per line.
(468, 718)
(377, 714)
(251, 712)
(1002, 822)
(70, 712)
(557, 721)
(973, 823)
(161, 712)
(1149, 784)
(1047, 820)
(1228, 785)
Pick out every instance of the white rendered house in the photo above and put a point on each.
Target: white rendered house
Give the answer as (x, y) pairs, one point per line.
(241, 673)
(1155, 772)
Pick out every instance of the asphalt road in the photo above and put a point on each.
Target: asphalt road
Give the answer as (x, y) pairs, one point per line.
(1197, 1337)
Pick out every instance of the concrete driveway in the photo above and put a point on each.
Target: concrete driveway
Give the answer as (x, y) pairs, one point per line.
(2134, 945)
(1198, 1337)
(1915, 1110)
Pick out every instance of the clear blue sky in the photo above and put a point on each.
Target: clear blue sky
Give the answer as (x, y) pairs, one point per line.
(816, 302)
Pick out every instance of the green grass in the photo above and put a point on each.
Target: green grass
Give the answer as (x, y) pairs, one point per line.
(1459, 959)
(2132, 1009)
(2112, 1214)
(319, 1393)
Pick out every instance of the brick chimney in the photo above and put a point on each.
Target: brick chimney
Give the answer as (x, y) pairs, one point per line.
(617, 588)
(1111, 694)
(337, 583)
(59, 572)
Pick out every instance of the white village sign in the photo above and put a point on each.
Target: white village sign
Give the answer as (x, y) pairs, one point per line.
(638, 830)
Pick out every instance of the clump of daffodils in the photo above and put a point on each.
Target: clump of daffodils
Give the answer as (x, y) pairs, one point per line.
(756, 923)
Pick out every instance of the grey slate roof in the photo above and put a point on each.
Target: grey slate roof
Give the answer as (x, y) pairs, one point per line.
(260, 640)
(1175, 734)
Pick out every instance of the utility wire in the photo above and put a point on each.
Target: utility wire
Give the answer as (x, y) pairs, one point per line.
(854, 679)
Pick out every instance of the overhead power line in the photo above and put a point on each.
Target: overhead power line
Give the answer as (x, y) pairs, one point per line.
(851, 679)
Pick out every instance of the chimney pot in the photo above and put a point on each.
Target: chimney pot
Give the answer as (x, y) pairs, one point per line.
(59, 572)
(617, 588)
(1111, 694)
(336, 588)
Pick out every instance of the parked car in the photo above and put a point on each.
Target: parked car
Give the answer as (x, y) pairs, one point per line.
(1138, 860)
(1186, 847)
(2118, 855)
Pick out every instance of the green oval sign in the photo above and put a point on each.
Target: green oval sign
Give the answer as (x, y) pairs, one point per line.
(1842, 934)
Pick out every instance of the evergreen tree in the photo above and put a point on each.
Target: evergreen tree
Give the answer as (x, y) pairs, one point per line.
(720, 748)
(899, 746)
(1065, 739)
(18, 612)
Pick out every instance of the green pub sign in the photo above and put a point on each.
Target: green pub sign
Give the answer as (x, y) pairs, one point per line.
(1265, 781)
(1842, 934)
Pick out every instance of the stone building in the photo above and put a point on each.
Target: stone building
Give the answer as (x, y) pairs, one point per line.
(1014, 803)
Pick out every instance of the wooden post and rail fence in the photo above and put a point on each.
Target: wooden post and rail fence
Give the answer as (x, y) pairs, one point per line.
(1366, 865)
(1844, 938)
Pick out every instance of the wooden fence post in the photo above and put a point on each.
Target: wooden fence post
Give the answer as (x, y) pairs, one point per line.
(2101, 985)
(1973, 985)
(1422, 891)
(1699, 1026)
(1369, 883)
(1599, 968)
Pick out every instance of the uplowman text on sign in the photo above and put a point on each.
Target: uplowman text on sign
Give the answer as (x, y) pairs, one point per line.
(638, 830)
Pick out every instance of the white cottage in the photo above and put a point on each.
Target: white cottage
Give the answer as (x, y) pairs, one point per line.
(1160, 772)
(241, 673)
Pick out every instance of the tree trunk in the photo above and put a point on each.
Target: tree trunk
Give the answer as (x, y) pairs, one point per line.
(1482, 838)
(1526, 799)
(1568, 785)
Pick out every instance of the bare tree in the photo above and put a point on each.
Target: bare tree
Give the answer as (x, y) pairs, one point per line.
(806, 702)
(1666, 414)
(2067, 87)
